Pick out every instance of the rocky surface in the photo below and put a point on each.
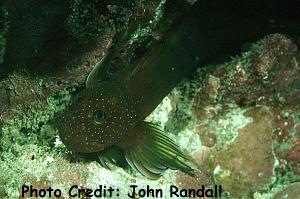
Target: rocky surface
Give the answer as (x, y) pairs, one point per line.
(240, 122)
(246, 116)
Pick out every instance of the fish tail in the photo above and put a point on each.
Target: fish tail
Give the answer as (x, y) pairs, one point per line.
(150, 151)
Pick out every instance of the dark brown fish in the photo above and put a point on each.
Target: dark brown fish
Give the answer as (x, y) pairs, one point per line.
(109, 113)
(103, 115)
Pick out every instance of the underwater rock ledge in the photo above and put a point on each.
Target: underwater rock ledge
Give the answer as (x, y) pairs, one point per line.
(246, 116)
(240, 121)
(50, 37)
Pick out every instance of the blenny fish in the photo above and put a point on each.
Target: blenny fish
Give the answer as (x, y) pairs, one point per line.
(106, 118)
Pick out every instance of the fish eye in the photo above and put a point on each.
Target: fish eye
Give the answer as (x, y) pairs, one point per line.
(99, 116)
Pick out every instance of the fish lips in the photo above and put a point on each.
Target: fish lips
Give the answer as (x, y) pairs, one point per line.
(83, 145)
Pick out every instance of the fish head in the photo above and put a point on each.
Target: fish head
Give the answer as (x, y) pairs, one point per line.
(98, 117)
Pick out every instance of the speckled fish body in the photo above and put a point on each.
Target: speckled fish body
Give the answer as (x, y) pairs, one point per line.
(109, 113)
(102, 116)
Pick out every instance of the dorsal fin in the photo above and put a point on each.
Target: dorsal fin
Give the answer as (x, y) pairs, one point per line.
(100, 70)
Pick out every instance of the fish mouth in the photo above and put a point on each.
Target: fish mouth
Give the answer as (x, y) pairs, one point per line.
(89, 146)
(84, 146)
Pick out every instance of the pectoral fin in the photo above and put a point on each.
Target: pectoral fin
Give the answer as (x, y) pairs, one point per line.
(152, 152)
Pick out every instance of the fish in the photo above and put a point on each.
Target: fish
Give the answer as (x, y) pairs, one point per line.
(107, 117)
